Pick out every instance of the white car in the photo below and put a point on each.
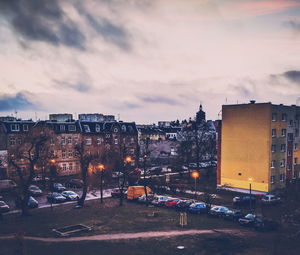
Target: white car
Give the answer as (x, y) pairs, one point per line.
(116, 174)
(270, 199)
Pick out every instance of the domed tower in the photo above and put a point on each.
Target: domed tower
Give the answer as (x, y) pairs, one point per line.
(200, 115)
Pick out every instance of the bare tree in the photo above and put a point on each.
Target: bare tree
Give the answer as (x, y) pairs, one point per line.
(28, 152)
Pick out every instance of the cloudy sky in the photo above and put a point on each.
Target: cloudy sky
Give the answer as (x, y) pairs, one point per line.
(146, 60)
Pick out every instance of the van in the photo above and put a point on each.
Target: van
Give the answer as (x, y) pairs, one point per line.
(134, 192)
(7, 184)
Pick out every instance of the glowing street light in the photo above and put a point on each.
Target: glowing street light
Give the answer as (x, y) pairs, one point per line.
(250, 190)
(100, 168)
(128, 159)
(195, 174)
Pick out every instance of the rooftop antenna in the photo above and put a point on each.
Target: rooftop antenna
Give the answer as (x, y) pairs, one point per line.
(35, 116)
(16, 114)
(226, 100)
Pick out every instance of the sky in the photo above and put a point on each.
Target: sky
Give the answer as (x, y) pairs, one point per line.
(146, 60)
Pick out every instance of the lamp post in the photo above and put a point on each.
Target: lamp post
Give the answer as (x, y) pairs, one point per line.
(195, 175)
(250, 191)
(52, 171)
(100, 168)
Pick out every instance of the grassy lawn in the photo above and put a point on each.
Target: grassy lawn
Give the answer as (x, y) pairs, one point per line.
(106, 218)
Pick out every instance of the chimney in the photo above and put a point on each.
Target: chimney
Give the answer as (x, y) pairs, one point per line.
(252, 101)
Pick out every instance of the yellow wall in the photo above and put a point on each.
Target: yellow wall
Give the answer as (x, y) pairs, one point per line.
(246, 135)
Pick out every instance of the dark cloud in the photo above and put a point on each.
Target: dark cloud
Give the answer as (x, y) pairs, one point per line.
(15, 102)
(159, 100)
(293, 24)
(108, 30)
(131, 105)
(42, 20)
(293, 76)
(78, 86)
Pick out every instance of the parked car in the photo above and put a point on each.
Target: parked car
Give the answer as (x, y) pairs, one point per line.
(74, 183)
(184, 204)
(116, 174)
(116, 192)
(35, 190)
(134, 192)
(233, 215)
(244, 200)
(40, 179)
(70, 195)
(56, 198)
(4, 207)
(155, 170)
(218, 211)
(266, 225)
(58, 187)
(142, 198)
(172, 202)
(32, 203)
(197, 208)
(249, 220)
(159, 200)
(7, 185)
(270, 199)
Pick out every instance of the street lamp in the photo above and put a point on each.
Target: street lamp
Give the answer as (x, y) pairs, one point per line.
(195, 175)
(250, 191)
(100, 168)
(52, 172)
(128, 159)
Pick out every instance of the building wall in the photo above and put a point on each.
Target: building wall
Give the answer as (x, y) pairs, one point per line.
(246, 141)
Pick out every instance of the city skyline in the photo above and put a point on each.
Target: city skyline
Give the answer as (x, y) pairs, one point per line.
(146, 60)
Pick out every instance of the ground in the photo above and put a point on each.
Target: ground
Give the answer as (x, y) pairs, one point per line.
(109, 218)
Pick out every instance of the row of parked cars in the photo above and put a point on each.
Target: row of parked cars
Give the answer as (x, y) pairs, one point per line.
(196, 207)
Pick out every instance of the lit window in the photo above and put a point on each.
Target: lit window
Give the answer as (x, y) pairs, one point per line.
(283, 117)
(283, 132)
(274, 132)
(15, 127)
(274, 116)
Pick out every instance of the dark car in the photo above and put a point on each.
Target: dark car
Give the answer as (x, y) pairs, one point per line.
(74, 183)
(70, 195)
(266, 225)
(58, 187)
(32, 203)
(184, 204)
(116, 193)
(35, 191)
(3, 207)
(244, 200)
(218, 211)
(197, 208)
(249, 220)
(56, 198)
(233, 215)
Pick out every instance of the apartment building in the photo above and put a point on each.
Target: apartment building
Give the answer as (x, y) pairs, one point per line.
(259, 146)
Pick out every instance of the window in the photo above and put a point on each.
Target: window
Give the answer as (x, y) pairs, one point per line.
(72, 128)
(70, 166)
(62, 128)
(19, 141)
(70, 154)
(290, 137)
(75, 140)
(88, 141)
(282, 163)
(282, 147)
(291, 123)
(97, 128)
(283, 117)
(295, 146)
(294, 174)
(63, 154)
(69, 140)
(64, 167)
(273, 148)
(123, 128)
(52, 140)
(12, 141)
(295, 161)
(86, 128)
(274, 132)
(131, 140)
(15, 127)
(25, 127)
(63, 140)
(107, 136)
(289, 167)
(283, 132)
(116, 130)
(116, 141)
(274, 116)
(282, 177)
(99, 141)
(289, 153)
(272, 163)
(296, 132)
(272, 179)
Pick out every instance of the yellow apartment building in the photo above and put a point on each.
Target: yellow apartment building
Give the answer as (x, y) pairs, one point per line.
(259, 146)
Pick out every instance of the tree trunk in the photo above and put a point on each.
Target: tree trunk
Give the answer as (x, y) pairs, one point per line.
(84, 187)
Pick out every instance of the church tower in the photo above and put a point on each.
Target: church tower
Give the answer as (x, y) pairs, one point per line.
(200, 115)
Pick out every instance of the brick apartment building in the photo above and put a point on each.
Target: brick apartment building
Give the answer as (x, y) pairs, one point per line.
(259, 145)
